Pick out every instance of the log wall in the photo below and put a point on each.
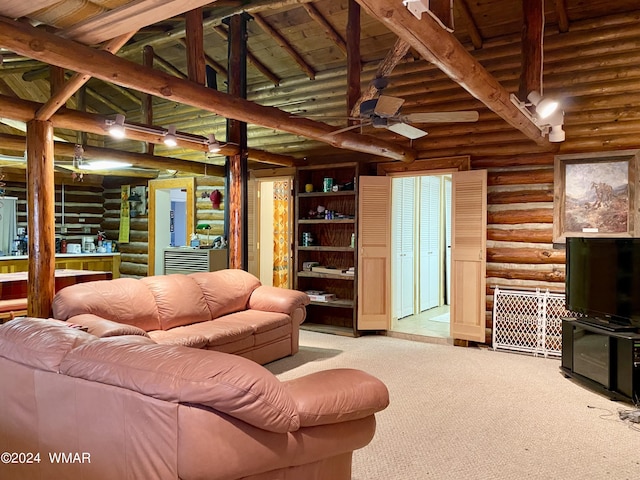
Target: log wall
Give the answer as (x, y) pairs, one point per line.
(520, 249)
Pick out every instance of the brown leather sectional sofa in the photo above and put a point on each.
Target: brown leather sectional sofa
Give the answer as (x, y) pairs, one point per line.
(124, 407)
(228, 311)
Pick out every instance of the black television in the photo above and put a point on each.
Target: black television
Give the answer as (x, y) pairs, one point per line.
(602, 279)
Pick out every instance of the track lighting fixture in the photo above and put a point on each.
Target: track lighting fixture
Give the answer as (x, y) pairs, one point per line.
(170, 139)
(116, 127)
(213, 144)
(551, 124)
(545, 106)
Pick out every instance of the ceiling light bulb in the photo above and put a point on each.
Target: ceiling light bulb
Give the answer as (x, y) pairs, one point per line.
(214, 145)
(170, 139)
(544, 106)
(116, 129)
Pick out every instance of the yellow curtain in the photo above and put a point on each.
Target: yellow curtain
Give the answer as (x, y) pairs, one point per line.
(281, 201)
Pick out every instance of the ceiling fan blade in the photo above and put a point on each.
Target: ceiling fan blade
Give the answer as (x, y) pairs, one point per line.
(388, 106)
(407, 130)
(440, 117)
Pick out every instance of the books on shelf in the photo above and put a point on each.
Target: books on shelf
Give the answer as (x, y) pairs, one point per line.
(322, 269)
(320, 296)
(350, 271)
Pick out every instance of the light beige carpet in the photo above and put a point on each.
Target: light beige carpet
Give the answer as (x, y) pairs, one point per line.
(472, 413)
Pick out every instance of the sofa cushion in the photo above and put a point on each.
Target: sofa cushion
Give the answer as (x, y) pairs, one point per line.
(123, 300)
(179, 300)
(101, 327)
(211, 333)
(226, 291)
(227, 383)
(177, 336)
(259, 321)
(39, 343)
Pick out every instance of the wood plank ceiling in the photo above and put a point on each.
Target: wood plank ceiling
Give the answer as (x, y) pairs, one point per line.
(298, 64)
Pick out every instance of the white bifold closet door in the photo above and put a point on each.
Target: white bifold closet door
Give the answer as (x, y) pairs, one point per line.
(404, 198)
(430, 228)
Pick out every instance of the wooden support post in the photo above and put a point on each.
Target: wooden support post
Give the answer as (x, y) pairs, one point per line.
(41, 218)
(195, 46)
(147, 99)
(532, 33)
(237, 133)
(354, 64)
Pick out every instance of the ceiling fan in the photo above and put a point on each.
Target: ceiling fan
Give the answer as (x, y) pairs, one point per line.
(384, 112)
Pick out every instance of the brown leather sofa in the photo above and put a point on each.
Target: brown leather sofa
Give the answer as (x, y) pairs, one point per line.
(125, 407)
(228, 311)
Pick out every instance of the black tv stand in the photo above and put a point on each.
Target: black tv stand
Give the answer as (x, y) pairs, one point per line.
(604, 359)
(607, 324)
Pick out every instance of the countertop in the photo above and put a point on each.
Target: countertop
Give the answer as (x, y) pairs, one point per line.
(61, 255)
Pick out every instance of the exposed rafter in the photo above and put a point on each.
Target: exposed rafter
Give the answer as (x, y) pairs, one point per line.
(532, 35)
(285, 45)
(472, 28)
(331, 32)
(563, 18)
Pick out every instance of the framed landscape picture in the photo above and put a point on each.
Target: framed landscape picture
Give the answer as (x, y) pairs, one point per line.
(595, 195)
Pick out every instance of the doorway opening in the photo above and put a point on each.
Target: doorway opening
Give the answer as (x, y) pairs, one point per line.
(421, 255)
(271, 230)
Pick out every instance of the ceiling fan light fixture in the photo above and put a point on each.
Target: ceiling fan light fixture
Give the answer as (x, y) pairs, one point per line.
(545, 106)
(170, 139)
(116, 127)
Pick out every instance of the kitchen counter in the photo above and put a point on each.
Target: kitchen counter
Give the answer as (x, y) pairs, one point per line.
(100, 262)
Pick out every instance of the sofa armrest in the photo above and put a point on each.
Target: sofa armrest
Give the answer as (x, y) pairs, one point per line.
(274, 299)
(101, 327)
(338, 395)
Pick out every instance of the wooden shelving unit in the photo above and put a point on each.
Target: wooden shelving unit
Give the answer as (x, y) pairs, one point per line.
(331, 245)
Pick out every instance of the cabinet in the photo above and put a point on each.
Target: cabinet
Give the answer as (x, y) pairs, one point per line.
(326, 236)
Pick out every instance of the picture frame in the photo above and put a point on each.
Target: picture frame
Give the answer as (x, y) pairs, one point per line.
(595, 195)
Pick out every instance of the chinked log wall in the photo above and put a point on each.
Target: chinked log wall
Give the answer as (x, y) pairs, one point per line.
(520, 250)
(134, 256)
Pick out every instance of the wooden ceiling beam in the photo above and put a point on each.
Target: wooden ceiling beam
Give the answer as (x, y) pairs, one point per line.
(531, 48)
(60, 97)
(441, 48)
(23, 110)
(253, 60)
(328, 28)
(46, 47)
(285, 45)
(168, 67)
(129, 17)
(386, 66)
(472, 27)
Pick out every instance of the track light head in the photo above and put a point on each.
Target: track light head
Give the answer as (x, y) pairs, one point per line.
(116, 127)
(170, 139)
(213, 144)
(544, 106)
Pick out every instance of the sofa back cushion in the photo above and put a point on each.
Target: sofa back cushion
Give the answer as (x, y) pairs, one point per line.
(227, 383)
(39, 343)
(123, 300)
(226, 291)
(179, 300)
